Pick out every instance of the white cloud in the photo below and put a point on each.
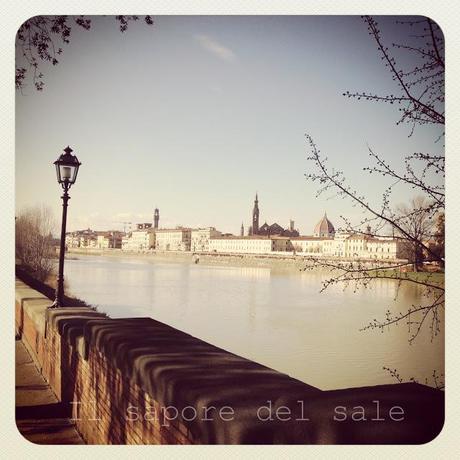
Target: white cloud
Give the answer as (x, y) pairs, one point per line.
(215, 48)
(217, 89)
(122, 215)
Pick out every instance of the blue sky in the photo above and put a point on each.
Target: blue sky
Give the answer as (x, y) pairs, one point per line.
(196, 114)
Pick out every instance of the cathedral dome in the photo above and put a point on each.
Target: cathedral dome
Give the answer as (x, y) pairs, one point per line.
(324, 227)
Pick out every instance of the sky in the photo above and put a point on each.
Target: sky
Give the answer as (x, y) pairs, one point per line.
(196, 114)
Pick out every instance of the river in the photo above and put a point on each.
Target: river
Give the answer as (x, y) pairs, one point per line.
(273, 316)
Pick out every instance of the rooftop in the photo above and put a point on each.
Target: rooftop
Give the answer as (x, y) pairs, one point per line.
(324, 226)
(312, 238)
(250, 237)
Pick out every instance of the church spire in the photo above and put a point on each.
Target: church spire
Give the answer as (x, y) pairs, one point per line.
(156, 218)
(255, 216)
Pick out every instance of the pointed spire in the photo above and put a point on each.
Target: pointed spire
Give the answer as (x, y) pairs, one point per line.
(255, 216)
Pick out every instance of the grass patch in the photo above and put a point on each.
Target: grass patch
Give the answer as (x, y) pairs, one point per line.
(48, 290)
(435, 278)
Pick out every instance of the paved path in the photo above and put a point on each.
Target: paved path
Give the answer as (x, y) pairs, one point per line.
(40, 417)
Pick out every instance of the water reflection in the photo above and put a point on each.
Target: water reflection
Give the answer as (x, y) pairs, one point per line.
(273, 316)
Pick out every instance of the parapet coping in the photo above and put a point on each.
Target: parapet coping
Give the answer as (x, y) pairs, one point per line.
(33, 303)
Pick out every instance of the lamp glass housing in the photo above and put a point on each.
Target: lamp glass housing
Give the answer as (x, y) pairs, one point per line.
(67, 167)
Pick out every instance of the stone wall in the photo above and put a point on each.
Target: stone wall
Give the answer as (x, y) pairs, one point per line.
(139, 381)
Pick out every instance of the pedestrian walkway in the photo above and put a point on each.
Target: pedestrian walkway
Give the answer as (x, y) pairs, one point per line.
(40, 417)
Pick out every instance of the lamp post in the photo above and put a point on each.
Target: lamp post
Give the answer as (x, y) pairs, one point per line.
(66, 170)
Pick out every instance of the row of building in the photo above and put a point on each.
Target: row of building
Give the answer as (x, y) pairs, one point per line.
(340, 245)
(324, 242)
(111, 239)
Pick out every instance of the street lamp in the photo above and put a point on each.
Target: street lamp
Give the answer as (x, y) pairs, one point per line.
(66, 171)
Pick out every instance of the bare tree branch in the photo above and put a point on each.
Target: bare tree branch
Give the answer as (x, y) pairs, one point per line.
(427, 106)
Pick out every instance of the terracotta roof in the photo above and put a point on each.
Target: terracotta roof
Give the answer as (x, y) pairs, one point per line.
(162, 230)
(324, 226)
(250, 237)
(312, 238)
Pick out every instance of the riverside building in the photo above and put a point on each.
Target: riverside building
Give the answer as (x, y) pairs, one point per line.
(141, 239)
(200, 237)
(173, 239)
(256, 244)
(325, 242)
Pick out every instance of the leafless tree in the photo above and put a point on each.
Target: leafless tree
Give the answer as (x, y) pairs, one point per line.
(438, 245)
(416, 219)
(34, 241)
(421, 97)
(42, 38)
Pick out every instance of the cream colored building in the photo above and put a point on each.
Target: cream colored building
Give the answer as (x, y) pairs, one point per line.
(139, 240)
(81, 239)
(350, 246)
(111, 239)
(102, 241)
(175, 239)
(342, 245)
(362, 246)
(72, 241)
(313, 245)
(381, 248)
(255, 244)
(199, 238)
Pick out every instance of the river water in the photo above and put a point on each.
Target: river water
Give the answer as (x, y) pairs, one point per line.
(273, 316)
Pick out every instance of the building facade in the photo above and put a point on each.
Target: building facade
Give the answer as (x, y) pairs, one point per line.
(175, 239)
(199, 238)
(81, 239)
(255, 244)
(312, 245)
(111, 239)
(139, 240)
(350, 246)
(94, 239)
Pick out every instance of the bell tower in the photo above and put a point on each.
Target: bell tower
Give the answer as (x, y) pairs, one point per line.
(156, 218)
(255, 217)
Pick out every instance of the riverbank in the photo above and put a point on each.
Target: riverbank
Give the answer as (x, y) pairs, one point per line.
(291, 263)
(288, 261)
(423, 277)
